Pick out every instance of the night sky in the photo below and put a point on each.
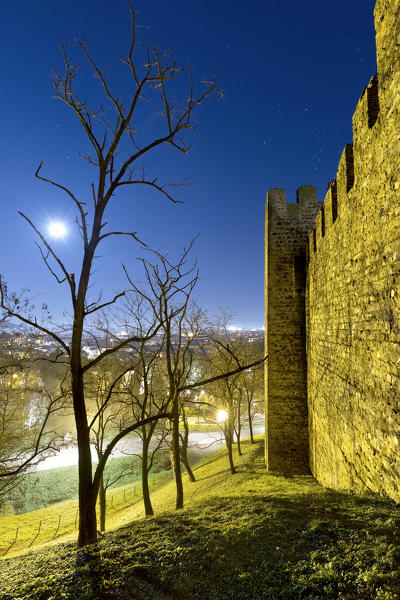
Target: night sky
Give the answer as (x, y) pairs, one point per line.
(292, 74)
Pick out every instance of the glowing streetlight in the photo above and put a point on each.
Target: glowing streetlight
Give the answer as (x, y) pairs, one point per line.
(57, 229)
(222, 416)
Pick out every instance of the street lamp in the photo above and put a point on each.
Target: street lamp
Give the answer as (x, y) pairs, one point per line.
(222, 416)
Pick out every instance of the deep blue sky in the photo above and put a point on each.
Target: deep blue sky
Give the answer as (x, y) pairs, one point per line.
(292, 71)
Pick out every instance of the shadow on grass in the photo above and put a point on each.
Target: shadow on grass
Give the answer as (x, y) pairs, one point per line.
(306, 546)
(282, 540)
(213, 475)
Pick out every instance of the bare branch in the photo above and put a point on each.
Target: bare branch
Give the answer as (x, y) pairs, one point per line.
(78, 204)
(110, 391)
(192, 386)
(82, 46)
(122, 344)
(46, 262)
(227, 348)
(117, 438)
(68, 277)
(160, 188)
(100, 306)
(128, 233)
(12, 313)
(63, 88)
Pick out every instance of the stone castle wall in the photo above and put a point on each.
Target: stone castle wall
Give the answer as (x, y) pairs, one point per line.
(353, 292)
(343, 367)
(287, 229)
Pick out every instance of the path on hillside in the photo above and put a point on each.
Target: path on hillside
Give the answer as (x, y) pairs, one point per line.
(200, 440)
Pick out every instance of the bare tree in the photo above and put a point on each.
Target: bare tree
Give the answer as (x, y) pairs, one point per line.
(98, 382)
(146, 395)
(248, 386)
(184, 444)
(251, 385)
(115, 167)
(230, 352)
(27, 434)
(170, 286)
(224, 390)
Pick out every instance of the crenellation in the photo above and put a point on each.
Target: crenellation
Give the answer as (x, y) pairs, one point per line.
(326, 216)
(365, 119)
(345, 175)
(322, 212)
(353, 304)
(332, 395)
(367, 126)
(306, 195)
(373, 107)
(349, 166)
(276, 197)
(332, 189)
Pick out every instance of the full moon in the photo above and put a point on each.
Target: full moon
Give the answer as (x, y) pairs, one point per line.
(57, 229)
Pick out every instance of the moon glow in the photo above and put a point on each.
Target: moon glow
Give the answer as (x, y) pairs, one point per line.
(57, 229)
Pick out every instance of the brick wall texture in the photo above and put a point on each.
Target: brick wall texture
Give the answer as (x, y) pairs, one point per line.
(347, 374)
(287, 230)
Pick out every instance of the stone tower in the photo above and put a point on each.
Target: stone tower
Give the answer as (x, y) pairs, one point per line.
(287, 230)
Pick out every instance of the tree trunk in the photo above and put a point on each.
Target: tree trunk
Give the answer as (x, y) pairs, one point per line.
(87, 495)
(239, 431)
(185, 461)
(238, 444)
(176, 459)
(229, 446)
(87, 498)
(184, 448)
(87, 509)
(102, 503)
(250, 424)
(148, 508)
(229, 441)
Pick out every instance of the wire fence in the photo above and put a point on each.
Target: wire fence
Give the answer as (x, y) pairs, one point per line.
(39, 531)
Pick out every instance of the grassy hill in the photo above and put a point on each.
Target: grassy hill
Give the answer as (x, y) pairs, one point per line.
(255, 536)
(53, 486)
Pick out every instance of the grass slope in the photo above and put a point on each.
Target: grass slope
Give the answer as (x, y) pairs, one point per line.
(254, 536)
(53, 522)
(44, 488)
(59, 521)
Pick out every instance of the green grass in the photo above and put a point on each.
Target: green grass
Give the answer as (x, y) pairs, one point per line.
(40, 527)
(53, 521)
(254, 536)
(44, 488)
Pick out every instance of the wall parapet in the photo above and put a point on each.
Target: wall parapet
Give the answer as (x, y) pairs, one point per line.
(353, 292)
(306, 203)
(338, 380)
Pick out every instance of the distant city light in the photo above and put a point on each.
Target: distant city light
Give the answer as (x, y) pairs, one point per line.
(57, 229)
(222, 416)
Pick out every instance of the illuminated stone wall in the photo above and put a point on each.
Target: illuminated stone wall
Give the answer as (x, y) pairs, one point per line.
(353, 292)
(348, 370)
(287, 229)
